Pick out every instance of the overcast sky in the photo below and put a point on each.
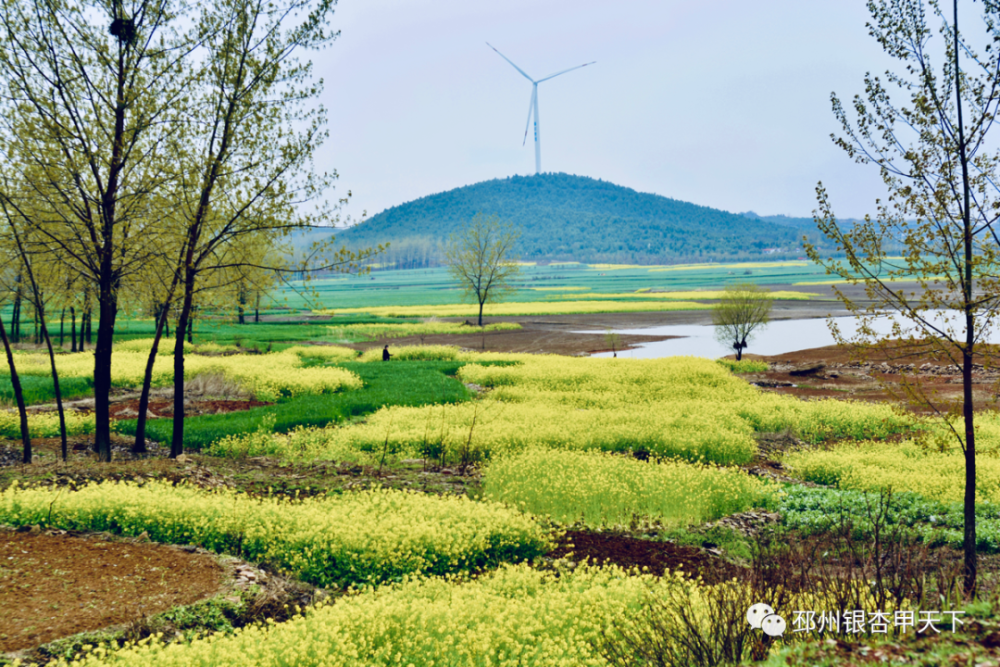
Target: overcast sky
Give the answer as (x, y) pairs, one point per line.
(724, 103)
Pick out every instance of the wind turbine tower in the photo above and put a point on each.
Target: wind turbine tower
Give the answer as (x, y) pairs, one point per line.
(533, 105)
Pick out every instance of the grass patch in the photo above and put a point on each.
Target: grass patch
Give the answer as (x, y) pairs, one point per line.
(410, 383)
(39, 389)
(743, 365)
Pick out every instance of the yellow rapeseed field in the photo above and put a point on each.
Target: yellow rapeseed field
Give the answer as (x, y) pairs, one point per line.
(679, 406)
(325, 352)
(414, 353)
(614, 490)
(166, 346)
(620, 267)
(365, 536)
(516, 616)
(689, 295)
(741, 265)
(373, 331)
(908, 466)
(266, 376)
(45, 424)
(525, 309)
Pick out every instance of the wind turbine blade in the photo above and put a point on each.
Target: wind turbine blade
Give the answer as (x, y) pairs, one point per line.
(512, 64)
(531, 107)
(559, 73)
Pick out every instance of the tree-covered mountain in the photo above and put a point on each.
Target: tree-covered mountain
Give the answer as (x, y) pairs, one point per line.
(564, 217)
(807, 224)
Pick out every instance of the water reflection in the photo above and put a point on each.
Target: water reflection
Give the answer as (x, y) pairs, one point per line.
(779, 337)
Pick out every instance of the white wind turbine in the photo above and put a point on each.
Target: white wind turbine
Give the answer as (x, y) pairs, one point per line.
(533, 105)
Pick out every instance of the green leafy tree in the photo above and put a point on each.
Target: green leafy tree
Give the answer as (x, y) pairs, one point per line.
(249, 155)
(90, 95)
(940, 171)
(481, 258)
(743, 310)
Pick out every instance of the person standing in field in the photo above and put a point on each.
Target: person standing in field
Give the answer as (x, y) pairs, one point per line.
(385, 353)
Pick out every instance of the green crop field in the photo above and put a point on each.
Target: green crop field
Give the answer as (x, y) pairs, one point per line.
(539, 283)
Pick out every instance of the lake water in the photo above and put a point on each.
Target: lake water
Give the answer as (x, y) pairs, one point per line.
(779, 337)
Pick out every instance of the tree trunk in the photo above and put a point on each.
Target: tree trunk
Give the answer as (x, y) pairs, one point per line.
(40, 316)
(107, 277)
(15, 315)
(256, 309)
(969, 514)
(480, 313)
(139, 447)
(15, 382)
(177, 439)
(969, 536)
(107, 311)
(72, 329)
(85, 334)
(62, 327)
(241, 303)
(190, 328)
(90, 326)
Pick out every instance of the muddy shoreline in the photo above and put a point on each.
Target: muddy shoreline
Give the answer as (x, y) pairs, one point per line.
(584, 334)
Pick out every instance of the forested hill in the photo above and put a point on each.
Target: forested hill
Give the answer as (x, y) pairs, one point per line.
(566, 217)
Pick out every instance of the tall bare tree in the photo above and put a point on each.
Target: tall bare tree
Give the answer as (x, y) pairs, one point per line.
(481, 258)
(940, 170)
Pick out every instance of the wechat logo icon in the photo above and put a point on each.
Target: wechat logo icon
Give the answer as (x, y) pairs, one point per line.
(762, 617)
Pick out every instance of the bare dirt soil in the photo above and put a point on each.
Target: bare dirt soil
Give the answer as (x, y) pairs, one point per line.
(56, 585)
(656, 557)
(838, 372)
(192, 408)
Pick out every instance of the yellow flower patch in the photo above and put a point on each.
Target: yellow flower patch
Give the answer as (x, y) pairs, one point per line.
(266, 376)
(366, 536)
(683, 407)
(532, 308)
(514, 617)
(615, 490)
